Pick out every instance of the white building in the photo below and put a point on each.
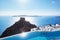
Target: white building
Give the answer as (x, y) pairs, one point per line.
(47, 28)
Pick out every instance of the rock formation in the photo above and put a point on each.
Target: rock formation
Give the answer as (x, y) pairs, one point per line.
(20, 26)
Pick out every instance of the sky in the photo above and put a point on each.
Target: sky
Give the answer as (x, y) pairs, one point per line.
(30, 7)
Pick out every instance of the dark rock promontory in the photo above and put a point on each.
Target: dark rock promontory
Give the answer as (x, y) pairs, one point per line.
(20, 26)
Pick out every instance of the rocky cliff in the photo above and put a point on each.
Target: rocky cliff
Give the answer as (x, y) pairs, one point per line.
(20, 26)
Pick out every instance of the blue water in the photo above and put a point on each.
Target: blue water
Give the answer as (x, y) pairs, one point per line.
(6, 21)
(36, 36)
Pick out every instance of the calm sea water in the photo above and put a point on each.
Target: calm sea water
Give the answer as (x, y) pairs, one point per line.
(6, 21)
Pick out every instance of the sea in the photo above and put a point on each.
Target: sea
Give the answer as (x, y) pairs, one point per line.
(40, 21)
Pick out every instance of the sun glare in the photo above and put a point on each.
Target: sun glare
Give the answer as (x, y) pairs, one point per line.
(30, 19)
(23, 1)
(23, 34)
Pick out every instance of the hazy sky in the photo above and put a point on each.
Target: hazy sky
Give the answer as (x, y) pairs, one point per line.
(29, 7)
